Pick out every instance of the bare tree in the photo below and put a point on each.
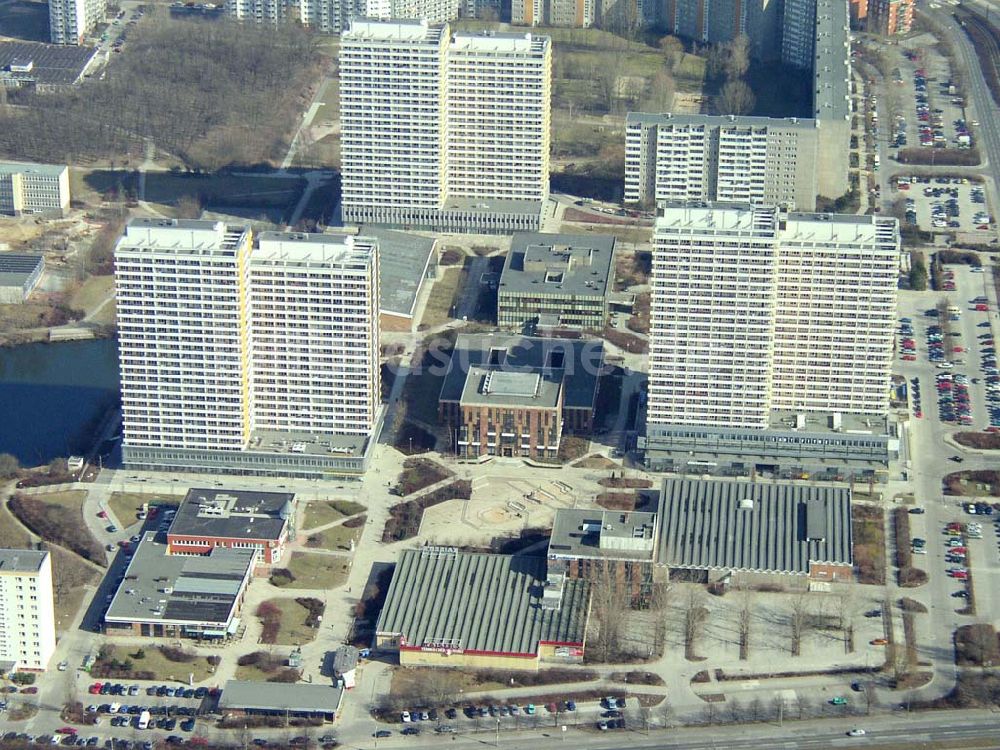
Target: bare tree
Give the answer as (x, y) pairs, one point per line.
(756, 709)
(709, 712)
(661, 92)
(798, 621)
(736, 98)
(737, 58)
(847, 612)
(744, 617)
(695, 614)
(870, 697)
(778, 708)
(673, 50)
(666, 712)
(659, 601)
(610, 607)
(803, 705)
(735, 710)
(715, 61)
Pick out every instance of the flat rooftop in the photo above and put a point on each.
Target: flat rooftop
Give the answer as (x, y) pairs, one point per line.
(233, 514)
(273, 441)
(576, 363)
(498, 41)
(312, 249)
(492, 206)
(723, 121)
(563, 264)
(200, 590)
(753, 526)
(608, 534)
(486, 387)
(269, 696)
(195, 236)
(403, 260)
(479, 603)
(397, 30)
(781, 419)
(21, 560)
(47, 170)
(16, 268)
(50, 64)
(832, 66)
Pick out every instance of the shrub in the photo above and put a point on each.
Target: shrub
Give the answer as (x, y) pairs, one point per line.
(911, 605)
(23, 678)
(419, 473)
(172, 653)
(53, 524)
(270, 620)
(912, 577)
(404, 518)
(286, 675)
(315, 609)
(281, 577)
(355, 522)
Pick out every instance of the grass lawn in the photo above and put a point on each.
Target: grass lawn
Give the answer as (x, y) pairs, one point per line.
(293, 631)
(92, 293)
(623, 233)
(70, 579)
(318, 571)
(12, 533)
(442, 297)
(89, 185)
(336, 538)
(253, 673)
(126, 505)
(71, 499)
(327, 511)
(164, 669)
(330, 111)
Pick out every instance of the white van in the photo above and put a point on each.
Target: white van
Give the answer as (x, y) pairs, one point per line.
(144, 720)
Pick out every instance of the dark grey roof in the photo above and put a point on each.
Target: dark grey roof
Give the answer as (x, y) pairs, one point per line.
(783, 529)
(606, 534)
(582, 360)
(233, 514)
(54, 64)
(574, 264)
(21, 560)
(479, 602)
(202, 589)
(402, 266)
(15, 268)
(269, 696)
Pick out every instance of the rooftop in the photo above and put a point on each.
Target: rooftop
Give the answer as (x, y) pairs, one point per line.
(609, 534)
(50, 64)
(196, 236)
(730, 121)
(472, 602)
(716, 217)
(274, 441)
(21, 560)
(201, 590)
(832, 66)
(233, 514)
(749, 526)
(314, 249)
(402, 265)
(497, 41)
(493, 206)
(576, 363)
(48, 170)
(15, 268)
(563, 264)
(488, 387)
(397, 30)
(269, 696)
(819, 422)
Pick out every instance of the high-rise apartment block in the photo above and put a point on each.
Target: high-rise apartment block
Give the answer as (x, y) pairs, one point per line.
(715, 21)
(706, 158)
(37, 189)
(572, 13)
(334, 16)
(441, 131)
(244, 358)
(27, 615)
(758, 313)
(71, 20)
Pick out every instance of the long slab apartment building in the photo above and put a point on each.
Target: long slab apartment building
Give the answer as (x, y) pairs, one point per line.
(779, 161)
(247, 357)
(771, 341)
(444, 131)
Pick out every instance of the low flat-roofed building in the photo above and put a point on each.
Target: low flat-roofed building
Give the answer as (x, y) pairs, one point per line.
(175, 596)
(556, 280)
(34, 189)
(617, 543)
(405, 261)
(239, 519)
(300, 701)
(19, 275)
(530, 384)
(755, 531)
(45, 67)
(448, 608)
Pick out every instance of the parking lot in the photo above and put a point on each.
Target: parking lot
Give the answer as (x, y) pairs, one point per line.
(939, 204)
(936, 117)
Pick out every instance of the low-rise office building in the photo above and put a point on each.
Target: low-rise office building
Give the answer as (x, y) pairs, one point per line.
(517, 395)
(406, 262)
(177, 596)
(446, 608)
(212, 519)
(296, 701)
(19, 275)
(556, 280)
(33, 189)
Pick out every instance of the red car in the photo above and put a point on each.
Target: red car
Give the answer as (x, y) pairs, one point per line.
(918, 414)
(66, 730)
(95, 688)
(957, 349)
(982, 308)
(102, 514)
(909, 358)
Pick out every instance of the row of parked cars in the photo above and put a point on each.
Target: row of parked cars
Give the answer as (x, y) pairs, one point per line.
(160, 691)
(953, 398)
(67, 737)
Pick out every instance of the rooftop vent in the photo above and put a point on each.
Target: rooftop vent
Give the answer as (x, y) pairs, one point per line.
(746, 504)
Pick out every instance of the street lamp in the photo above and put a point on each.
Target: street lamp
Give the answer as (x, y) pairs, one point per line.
(496, 741)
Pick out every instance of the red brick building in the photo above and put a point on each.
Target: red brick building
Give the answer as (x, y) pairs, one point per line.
(209, 519)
